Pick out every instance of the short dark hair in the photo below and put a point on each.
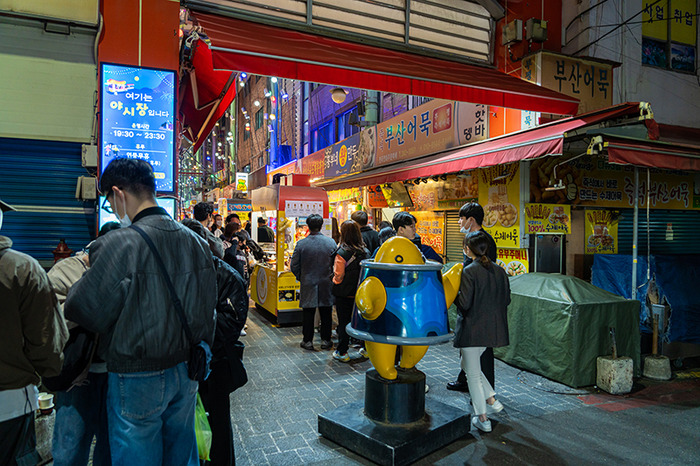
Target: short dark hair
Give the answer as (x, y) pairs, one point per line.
(109, 226)
(402, 219)
(360, 217)
(202, 211)
(384, 224)
(230, 217)
(478, 243)
(132, 175)
(386, 233)
(241, 236)
(195, 226)
(472, 209)
(261, 220)
(217, 215)
(314, 222)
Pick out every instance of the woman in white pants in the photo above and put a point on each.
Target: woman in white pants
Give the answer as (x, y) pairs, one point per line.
(483, 299)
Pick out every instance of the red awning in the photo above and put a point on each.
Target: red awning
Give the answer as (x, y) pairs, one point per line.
(653, 154)
(537, 142)
(260, 49)
(205, 95)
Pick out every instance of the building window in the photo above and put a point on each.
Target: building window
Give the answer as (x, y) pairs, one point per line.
(343, 127)
(322, 137)
(305, 119)
(669, 34)
(259, 119)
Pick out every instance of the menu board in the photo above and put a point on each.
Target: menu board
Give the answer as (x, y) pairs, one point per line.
(547, 218)
(513, 261)
(601, 232)
(499, 194)
(138, 119)
(430, 226)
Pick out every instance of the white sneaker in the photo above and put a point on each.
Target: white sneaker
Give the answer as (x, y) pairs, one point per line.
(482, 426)
(495, 408)
(243, 332)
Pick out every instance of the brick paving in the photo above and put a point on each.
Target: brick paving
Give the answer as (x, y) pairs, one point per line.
(275, 414)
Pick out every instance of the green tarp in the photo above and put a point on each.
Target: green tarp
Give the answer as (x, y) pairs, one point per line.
(559, 325)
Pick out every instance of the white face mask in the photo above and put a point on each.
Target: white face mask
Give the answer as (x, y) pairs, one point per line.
(463, 230)
(125, 220)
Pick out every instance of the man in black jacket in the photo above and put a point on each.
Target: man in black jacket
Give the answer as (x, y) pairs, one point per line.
(471, 215)
(265, 233)
(369, 236)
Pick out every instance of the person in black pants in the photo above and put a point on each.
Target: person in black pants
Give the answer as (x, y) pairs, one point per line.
(471, 215)
(346, 274)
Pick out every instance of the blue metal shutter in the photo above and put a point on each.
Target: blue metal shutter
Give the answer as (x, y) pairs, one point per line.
(685, 225)
(39, 178)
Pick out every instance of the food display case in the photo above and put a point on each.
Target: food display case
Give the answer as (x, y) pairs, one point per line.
(273, 287)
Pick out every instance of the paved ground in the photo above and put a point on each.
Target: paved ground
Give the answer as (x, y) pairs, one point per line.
(275, 414)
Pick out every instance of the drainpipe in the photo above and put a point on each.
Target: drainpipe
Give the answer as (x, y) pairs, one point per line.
(635, 233)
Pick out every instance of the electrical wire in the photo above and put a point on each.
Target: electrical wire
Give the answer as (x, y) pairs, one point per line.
(612, 30)
(583, 13)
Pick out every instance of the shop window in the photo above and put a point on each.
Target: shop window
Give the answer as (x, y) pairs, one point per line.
(259, 119)
(343, 127)
(669, 34)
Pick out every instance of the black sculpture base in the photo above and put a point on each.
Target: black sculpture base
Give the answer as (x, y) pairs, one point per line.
(391, 443)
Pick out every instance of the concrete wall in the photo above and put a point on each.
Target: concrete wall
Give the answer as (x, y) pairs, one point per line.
(674, 96)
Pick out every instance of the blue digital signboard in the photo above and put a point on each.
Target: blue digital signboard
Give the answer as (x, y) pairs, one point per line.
(138, 119)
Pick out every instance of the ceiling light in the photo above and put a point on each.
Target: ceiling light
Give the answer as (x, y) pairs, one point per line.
(273, 79)
(244, 75)
(338, 95)
(272, 116)
(256, 103)
(242, 83)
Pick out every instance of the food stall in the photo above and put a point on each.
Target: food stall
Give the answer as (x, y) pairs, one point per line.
(273, 287)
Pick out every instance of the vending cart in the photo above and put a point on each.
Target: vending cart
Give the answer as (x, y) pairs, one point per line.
(273, 287)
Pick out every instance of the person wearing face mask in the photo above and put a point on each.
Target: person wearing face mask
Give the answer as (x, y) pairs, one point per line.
(203, 213)
(471, 215)
(124, 297)
(32, 336)
(217, 227)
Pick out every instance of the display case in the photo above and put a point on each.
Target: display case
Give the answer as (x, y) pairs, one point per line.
(285, 208)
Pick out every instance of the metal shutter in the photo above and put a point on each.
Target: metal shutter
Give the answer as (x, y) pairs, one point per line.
(685, 224)
(38, 178)
(453, 237)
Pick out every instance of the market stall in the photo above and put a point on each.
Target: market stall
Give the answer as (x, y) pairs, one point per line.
(285, 208)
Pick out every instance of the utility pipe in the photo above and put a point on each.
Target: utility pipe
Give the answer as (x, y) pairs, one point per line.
(635, 232)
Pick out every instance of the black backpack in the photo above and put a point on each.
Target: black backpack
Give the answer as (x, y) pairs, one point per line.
(77, 357)
(348, 287)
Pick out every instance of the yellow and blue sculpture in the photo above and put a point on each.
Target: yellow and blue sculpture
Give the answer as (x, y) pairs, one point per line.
(402, 301)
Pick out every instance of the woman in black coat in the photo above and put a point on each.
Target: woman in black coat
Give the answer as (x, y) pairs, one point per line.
(484, 295)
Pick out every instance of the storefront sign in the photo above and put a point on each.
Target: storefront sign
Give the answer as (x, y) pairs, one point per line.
(138, 119)
(314, 165)
(242, 182)
(601, 232)
(347, 194)
(594, 182)
(514, 261)
(430, 226)
(375, 197)
(451, 193)
(499, 194)
(587, 80)
(286, 169)
(547, 218)
(341, 158)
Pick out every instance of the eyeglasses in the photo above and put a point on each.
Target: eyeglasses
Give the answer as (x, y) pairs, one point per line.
(107, 206)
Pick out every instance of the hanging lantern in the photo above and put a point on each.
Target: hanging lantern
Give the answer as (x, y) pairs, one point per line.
(338, 95)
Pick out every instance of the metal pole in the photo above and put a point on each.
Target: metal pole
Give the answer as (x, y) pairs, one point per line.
(635, 233)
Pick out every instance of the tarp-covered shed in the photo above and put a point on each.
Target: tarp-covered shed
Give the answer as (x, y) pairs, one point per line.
(559, 325)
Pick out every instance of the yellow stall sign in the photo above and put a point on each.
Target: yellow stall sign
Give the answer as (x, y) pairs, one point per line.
(431, 228)
(547, 218)
(513, 261)
(499, 194)
(601, 232)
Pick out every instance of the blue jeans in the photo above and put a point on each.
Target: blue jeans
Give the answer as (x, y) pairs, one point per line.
(81, 413)
(151, 418)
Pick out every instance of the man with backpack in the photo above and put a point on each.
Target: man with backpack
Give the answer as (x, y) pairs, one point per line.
(147, 332)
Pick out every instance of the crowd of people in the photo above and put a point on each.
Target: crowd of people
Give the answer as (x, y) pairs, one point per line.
(137, 398)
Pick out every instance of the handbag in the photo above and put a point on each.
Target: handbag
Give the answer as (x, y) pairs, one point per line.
(348, 287)
(200, 352)
(77, 356)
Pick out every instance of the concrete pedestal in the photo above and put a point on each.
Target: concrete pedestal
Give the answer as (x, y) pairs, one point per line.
(657, 368)
(614, 375)
(394, 443)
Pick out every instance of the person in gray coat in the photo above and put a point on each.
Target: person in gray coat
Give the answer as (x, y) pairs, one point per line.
(312, 264)
(482, 302)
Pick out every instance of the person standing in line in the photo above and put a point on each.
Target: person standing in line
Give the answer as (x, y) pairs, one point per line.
(312, 265)
(405, 225)
(384, 224)
(32, 336)
(346, 274)
(217, 227)
(369, 236)
(471, 215)
(203, 213)
(81, 411)
(482, 302)
(265, 233)
(124, 298)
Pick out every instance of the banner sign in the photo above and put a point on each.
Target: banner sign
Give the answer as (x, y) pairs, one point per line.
(499, 194)
(242, 181)
(341, 158)
(430, 226)
(138, 119)
(547, 218)
(592, 181)
(601, 232)
(513, 261)
(313, 165)
(451, 193)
